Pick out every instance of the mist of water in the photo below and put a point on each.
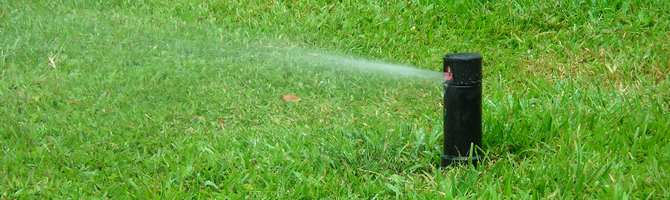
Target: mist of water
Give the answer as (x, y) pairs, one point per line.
(372, 66)
(349, 63)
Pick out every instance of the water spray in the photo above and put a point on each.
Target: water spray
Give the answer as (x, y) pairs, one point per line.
(462, 108)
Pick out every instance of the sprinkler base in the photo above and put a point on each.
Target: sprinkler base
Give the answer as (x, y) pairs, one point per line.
(454, 160)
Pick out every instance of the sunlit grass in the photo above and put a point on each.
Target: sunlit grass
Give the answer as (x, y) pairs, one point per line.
(149, 99)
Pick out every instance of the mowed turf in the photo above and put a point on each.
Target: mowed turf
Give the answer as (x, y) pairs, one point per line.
(183, 99)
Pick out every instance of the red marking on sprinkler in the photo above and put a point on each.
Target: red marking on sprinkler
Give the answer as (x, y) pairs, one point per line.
(448, 75)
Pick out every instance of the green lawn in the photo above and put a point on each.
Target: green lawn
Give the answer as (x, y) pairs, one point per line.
(183, 99)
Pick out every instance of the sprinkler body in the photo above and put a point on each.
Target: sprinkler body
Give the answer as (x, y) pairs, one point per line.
(463, 108)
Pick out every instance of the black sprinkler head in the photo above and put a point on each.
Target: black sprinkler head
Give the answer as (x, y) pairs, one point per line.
(462, 108)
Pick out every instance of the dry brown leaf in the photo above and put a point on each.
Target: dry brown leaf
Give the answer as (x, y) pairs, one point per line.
(290, 98)
(222, 123)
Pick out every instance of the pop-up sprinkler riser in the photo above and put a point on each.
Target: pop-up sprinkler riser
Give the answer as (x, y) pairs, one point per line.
(462, 108)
